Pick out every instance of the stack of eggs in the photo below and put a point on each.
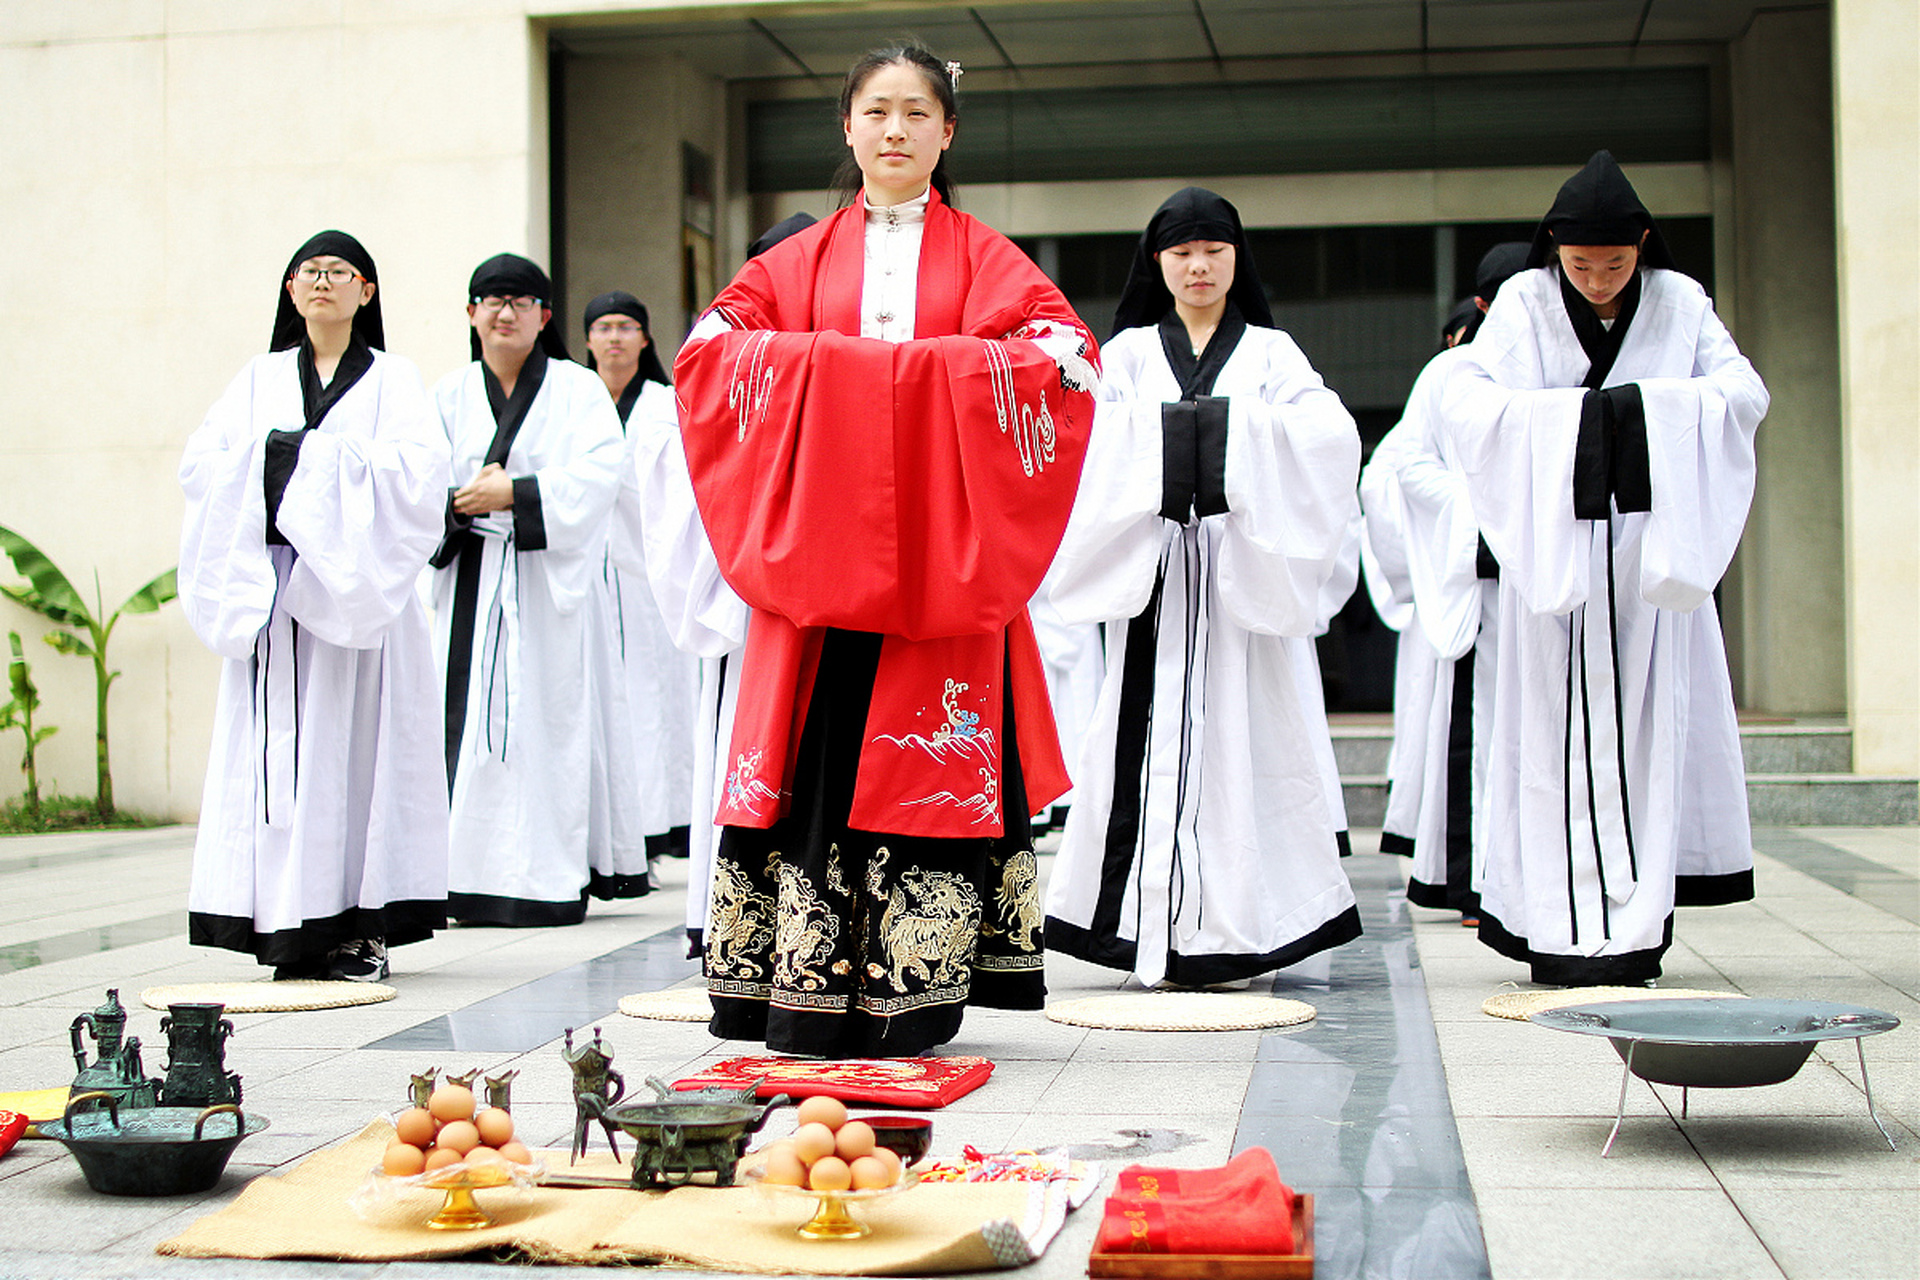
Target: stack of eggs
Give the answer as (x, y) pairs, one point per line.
(829, 1152)
(448, 1131)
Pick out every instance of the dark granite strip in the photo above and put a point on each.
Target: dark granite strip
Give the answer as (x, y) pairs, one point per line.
(534, 1013)
(1354, 1105)
(1892, 891)
(88, 942)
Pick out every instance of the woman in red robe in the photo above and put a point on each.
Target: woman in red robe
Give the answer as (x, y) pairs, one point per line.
(884, 418)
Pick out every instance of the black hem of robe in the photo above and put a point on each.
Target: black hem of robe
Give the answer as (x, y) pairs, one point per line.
(397, 923)
(1203, 970)
(1394, 842)
(1713, 891)
(1627, 969)
(815, 833)
(607, 888)
(514, 913)
(1343, 841)
(1422, 894)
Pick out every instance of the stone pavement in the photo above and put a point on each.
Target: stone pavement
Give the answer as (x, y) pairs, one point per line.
(1438, 1142)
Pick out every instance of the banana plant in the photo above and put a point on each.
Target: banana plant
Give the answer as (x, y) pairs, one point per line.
(48, 593)
(18, 714)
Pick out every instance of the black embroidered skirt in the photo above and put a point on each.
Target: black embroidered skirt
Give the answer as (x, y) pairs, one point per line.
(837, 943)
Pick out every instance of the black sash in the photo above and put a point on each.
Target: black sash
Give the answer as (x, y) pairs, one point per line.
(462, 543)
(1194, 429)
(283, 447)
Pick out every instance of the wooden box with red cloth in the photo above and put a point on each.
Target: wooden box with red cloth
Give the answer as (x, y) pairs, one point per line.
(1236, 1222)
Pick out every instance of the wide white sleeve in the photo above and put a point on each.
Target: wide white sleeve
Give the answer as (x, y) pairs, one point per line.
(1383, 532)
(1111, 550)
(1292, 469)
(702, 613)
(1443, 538)
(365, 510)
(1701, 462)
(226, 575)
(1514, 444)
(584, 457)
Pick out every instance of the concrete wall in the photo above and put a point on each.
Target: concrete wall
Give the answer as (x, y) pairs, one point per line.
(1876, 76)
(163, 160)
(624, 121)
(1791, 573)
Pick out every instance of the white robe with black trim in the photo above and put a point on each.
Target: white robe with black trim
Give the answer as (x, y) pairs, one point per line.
(324, 815)
(545, 799)
(1427, 543)
(1615, 788)
(1233, 867)
(660, 678)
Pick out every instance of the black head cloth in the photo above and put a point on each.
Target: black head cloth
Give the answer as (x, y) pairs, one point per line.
(1497, 266)
(790, 225)
(1462, 320)
(289, 328)
(619, 303)
(1190, 213)
(1599, 206)
(508, 275)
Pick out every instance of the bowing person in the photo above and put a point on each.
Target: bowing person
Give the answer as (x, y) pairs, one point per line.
(1216, 508)
(1604, 421)
(883, 418)
(539, 747)
(313, 493)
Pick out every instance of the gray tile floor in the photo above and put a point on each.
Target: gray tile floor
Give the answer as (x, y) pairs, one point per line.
(1438, 1142)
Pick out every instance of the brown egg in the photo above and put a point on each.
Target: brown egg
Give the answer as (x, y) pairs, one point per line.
(403, 1159)
(829, 1173)
(854, 1140)
(516, 1153)
(894, 1167)
(785, 1169)
(484, 1155)
(451, 1102)
(495, 1126)
(441, 1157)
(458, 1136)
(869, 1173)
(811, 1142)
(417, 1127)
(830, 1112)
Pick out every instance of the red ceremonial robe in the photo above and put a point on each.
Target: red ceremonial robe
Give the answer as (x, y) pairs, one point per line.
(917, 490)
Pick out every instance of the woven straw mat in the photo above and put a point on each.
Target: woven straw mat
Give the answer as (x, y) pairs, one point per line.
(678, 1004)
(269, 997)
(1520, 1005)
(1180, 1011)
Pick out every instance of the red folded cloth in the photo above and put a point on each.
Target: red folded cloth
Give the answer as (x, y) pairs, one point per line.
(1241, 1208)
(889, 1082)
(12, 1125)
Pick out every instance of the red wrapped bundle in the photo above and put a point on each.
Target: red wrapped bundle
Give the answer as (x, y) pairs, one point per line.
(1242, 1208)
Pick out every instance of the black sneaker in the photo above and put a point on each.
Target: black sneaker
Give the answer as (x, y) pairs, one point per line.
(361, 960)
(307, 970)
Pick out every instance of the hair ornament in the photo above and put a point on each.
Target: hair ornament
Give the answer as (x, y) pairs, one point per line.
(954, 72)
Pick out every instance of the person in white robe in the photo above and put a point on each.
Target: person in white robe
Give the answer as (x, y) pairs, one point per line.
(1432, 562)
(703, 616)
(660, 677)
(1604, 421)
(539, 745)
(1215, 507)
(313, 495)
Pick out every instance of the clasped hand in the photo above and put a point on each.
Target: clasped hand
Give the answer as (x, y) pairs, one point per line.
(491, 490)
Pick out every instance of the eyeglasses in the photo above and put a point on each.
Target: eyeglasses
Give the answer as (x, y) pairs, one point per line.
(497, 303)
(336, 276)
(611, 328)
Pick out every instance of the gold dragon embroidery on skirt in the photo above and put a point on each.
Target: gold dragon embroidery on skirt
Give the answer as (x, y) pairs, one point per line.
(805, 933)
(742, 923)
(1017, 900)
(929, 927)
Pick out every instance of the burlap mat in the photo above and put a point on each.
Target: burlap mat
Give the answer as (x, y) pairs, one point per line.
(928, 1229)
(1181, 1011)
(1518, 1006)
(678, 1004)
(269, 997)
